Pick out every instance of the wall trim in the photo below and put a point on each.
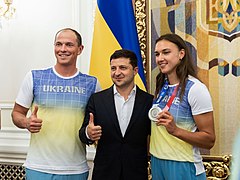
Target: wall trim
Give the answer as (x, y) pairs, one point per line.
(6, 106)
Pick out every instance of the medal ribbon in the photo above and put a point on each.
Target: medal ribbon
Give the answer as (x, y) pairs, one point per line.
(169, 103)
(163, 93)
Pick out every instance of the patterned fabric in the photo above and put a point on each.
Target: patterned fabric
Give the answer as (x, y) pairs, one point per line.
(165, 146)
(56, 148)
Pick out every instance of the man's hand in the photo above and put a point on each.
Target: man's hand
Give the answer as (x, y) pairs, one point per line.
(94, 132)
(34, 124)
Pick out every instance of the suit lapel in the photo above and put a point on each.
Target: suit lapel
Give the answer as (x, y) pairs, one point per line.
(111, 109)
(139, 101)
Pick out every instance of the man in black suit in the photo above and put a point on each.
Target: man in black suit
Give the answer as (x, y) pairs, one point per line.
(118, 119)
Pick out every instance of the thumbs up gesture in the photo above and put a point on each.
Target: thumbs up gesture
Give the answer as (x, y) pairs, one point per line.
(34, 124)
(94, 132)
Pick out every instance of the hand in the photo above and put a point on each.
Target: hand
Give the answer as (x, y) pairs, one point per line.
(34, 124)
(166, 119)
(94, 132)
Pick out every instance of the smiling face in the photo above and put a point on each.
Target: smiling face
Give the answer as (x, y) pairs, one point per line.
(168, 57)
(67, 48)
(122, 72)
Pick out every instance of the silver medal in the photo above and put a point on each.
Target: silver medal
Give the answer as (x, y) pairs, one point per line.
(153, 112)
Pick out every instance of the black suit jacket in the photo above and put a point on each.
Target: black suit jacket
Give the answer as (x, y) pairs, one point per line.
(119, 157)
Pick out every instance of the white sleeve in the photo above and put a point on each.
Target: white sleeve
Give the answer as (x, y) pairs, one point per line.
(25, 94)
(98, 87)
(199, 99)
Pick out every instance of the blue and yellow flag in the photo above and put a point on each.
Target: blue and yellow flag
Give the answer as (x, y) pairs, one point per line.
(114, 28)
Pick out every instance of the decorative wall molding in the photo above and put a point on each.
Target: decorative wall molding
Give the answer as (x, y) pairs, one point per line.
(141, 15)
(14, 145)
(6, 106)
(217, 167)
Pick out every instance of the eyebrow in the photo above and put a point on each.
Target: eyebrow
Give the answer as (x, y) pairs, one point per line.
(166, 49)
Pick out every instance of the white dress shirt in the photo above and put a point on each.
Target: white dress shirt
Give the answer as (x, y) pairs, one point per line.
(124, 108)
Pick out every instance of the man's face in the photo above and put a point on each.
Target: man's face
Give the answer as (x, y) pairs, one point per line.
(122, 72)
(66, 48)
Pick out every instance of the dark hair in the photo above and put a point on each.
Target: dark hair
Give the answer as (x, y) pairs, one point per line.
(184, 68)
(79, 38)
(126, 54)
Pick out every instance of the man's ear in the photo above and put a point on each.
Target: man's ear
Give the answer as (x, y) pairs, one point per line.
(80, 49)
(135, 70)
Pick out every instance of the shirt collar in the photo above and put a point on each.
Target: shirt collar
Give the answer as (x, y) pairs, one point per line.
(116, 92)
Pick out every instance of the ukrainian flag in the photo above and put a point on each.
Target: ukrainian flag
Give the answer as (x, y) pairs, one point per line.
(114, 28)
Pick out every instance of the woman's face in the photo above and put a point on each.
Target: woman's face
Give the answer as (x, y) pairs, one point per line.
(168, 56)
